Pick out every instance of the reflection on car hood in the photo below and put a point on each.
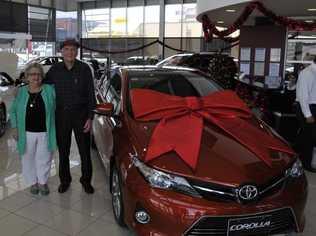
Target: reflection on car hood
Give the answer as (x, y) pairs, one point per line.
(222, 159)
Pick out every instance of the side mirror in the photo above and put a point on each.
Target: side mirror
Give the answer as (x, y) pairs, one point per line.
(104, 109)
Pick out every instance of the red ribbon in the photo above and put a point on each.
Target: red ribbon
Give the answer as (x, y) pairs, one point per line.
(181, 124)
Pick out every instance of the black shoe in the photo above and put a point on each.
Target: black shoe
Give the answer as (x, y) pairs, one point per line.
(63, 188)
(88, 188)
(311, 169)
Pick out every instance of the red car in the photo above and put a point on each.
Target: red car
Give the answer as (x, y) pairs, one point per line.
(185, 157)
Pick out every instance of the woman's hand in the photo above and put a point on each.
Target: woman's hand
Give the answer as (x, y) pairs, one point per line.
(310, 120)
(15, 134)
(87, 126)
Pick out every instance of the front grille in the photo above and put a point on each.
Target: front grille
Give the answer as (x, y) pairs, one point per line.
(282, 221)
(216, 192)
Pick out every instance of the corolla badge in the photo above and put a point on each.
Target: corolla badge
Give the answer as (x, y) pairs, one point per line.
(248, 192)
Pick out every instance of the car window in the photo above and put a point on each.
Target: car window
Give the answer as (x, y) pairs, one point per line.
(112, 92)
(115, 83)
(183, 84)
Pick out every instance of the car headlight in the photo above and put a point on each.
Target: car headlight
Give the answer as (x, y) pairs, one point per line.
(159, 179)
(296, 170)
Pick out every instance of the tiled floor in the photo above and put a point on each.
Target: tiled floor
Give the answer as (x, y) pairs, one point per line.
(71, 213)
(74, 212)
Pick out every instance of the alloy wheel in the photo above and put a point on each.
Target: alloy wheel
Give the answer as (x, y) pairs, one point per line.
(117, 202)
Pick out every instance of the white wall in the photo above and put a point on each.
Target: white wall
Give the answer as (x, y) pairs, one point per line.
(204, 6)
(8, 63)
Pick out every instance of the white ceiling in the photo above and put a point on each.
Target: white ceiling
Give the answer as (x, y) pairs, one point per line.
(290, 8)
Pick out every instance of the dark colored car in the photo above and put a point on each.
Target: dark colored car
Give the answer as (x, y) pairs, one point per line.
(139, 60)
(3, 117)
(220, 67)
(231, 191)
(6, 79)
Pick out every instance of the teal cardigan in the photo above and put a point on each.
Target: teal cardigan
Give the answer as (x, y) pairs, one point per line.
(18, 113)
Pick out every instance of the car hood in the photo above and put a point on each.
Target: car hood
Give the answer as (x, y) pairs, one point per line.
(222, 159)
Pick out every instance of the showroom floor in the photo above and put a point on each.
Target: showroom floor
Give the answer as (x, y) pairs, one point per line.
(74, 212)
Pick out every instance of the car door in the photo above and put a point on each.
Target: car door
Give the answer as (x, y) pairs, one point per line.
(103, 125)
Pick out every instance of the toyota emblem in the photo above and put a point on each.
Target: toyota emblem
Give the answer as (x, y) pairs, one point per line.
(248, 192)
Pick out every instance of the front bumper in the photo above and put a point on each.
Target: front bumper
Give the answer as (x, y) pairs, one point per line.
(174, 214)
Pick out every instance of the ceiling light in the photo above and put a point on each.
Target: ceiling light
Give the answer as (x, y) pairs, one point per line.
(311, 9)
(309, 21)
(220, 22)
(230, 10)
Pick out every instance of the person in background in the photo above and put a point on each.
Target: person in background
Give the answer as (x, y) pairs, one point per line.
(32, 115)
(306, 113)
(75, 102)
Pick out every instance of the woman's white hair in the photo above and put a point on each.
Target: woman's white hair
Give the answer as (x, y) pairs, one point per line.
(36, 66)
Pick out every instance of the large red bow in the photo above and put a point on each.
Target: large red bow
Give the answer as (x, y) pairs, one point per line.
(181, 123)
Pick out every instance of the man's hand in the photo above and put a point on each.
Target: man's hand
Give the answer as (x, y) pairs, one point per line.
(310, 120)
(87, 126)
(15, 135)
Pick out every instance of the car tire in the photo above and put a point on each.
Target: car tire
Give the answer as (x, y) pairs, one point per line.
(3, 119)
(117, 197)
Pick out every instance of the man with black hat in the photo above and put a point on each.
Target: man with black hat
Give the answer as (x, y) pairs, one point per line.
(75, 102)
(306, 113)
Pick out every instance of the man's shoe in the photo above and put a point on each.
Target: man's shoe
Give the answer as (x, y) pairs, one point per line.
(43, 189)
(311, 169)
(34, 189)
(63, 188)
(88, 188)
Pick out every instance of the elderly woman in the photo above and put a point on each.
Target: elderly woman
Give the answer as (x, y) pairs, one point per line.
(32, 114)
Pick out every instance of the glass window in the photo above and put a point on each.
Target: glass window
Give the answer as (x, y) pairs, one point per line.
(33, 2)
(301, 50)
(41, 24)
(183, 84)
(151, 24)
(66, 25)
(135, 21)
(190, 26)
(41, 49)
(173, 20)
(46, 3)
(38, 13)
(20, 1)
(96, 23)
(300, 53)
(118, 22)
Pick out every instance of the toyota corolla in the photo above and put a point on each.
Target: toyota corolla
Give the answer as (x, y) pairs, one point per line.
(185, 157)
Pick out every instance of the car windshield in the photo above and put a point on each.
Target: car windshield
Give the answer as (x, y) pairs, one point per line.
(177, 83)
(175, 60)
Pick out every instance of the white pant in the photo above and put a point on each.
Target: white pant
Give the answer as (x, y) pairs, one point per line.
(37, 159)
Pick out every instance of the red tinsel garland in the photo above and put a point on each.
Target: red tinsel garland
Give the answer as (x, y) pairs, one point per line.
(209, 27)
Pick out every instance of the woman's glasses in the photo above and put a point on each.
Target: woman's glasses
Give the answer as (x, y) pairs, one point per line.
(34, 74)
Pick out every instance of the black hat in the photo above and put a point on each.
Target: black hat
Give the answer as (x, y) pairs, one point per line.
(69, 42)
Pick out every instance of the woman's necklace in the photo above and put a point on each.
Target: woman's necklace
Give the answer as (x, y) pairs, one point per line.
(33, 100)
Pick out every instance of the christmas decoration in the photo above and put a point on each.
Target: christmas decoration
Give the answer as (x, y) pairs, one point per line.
(223, 69)
(210, 29)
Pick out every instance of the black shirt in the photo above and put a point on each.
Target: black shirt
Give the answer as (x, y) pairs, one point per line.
(74, 88)
(35, 119)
